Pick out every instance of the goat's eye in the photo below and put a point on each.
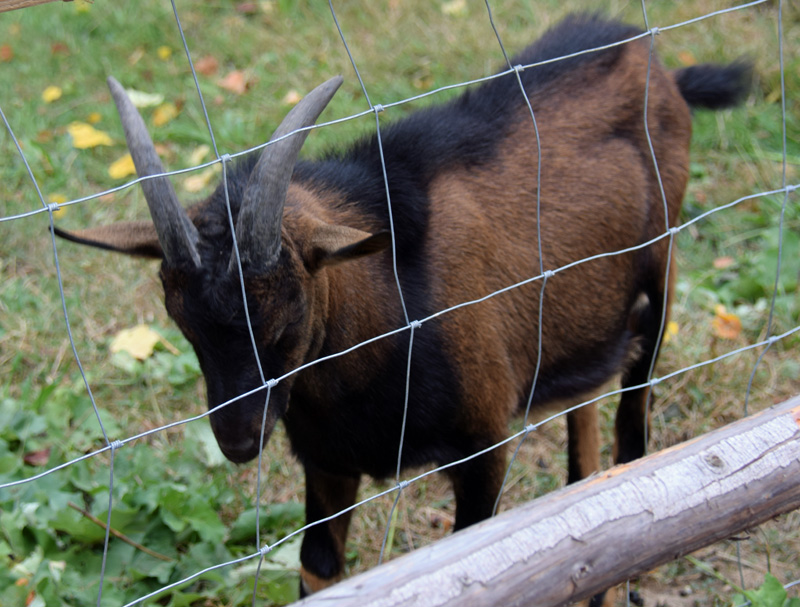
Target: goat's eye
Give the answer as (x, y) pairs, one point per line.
(286, 330)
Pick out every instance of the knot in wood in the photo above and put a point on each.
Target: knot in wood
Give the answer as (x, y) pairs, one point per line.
(713, 460)
(580, 570)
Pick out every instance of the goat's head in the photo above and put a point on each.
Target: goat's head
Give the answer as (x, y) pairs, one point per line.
(280, 271)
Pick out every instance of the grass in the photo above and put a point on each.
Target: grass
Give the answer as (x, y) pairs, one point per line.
(173, 492)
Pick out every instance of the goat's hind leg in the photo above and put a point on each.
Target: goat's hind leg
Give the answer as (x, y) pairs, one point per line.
(631, 425)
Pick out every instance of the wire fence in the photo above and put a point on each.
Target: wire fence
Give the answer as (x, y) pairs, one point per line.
(113, 444)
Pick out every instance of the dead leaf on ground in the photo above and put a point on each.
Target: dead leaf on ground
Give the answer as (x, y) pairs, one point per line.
(670, 331)
(6, 52)
(37, 458)
(722, 263)
(292, 97)
(726, 325)
(85, 136)
(51, 93)
(140, 99)
(197, 182)
(686, 58)
(199, 154)
(235, 82)
(247, 8)
(454, 7)
(59, 48)
(139, 342)
(164, 113)
(122, 168)
(207, 65)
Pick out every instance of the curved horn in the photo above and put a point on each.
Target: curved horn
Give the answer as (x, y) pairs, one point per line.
(258, 227)
(176, 232)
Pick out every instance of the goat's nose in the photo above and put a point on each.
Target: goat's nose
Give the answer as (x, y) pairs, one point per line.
(241, 451)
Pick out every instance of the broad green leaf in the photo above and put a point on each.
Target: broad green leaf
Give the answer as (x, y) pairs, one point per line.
(200, 434)
(276, 519)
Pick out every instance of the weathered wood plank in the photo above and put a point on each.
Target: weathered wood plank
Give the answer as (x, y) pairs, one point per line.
(597, 533)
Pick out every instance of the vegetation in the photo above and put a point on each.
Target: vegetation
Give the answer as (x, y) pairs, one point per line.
(173, 493)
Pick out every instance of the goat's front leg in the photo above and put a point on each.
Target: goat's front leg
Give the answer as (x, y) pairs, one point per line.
(476, 484)
(322, 553)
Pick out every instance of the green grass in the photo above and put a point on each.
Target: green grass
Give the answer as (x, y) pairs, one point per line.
(173, 492)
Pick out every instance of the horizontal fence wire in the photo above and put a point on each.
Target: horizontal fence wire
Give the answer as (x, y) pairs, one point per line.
(411, 325)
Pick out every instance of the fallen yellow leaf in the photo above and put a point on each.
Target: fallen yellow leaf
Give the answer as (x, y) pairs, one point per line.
(136, 56)
(164, 52)
(197, 182)
(51, 93)
(199, 154)
(670, 331)
(455, 7)
(121, 168)
(141, 99)
(94, 118)
(164, 113)
(139, 341)
(84, 136)
(726, 325)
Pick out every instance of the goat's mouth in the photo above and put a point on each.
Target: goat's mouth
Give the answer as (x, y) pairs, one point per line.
(242, 452)
(241, 442)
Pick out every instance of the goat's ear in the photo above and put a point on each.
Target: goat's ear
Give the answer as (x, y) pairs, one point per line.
(137, 238)
(332, 244)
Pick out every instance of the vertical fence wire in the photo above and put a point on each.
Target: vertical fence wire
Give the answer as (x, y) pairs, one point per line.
(786, 190)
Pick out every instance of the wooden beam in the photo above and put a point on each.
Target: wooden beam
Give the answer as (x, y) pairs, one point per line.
(573, 543)
(10, 5)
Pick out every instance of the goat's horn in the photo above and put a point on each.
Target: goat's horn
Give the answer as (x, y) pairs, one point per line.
(258, 227)
(176, 232)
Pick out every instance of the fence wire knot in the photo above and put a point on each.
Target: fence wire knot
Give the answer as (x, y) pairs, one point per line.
(519, 68)
(548, 274)
(271, 383)
(378, 108)
(53, 207)
(116, 444)
(415, 324)
(402, 484)
(654, 381)
(673, 231)
(265, 550)
(225, 158)
(655, 31)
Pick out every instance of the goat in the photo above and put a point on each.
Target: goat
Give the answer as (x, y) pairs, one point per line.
(314, 241)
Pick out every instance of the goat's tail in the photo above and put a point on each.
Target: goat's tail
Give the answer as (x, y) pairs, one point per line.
(714, 86)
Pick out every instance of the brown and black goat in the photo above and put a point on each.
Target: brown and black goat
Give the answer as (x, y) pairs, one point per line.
(314, 241)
